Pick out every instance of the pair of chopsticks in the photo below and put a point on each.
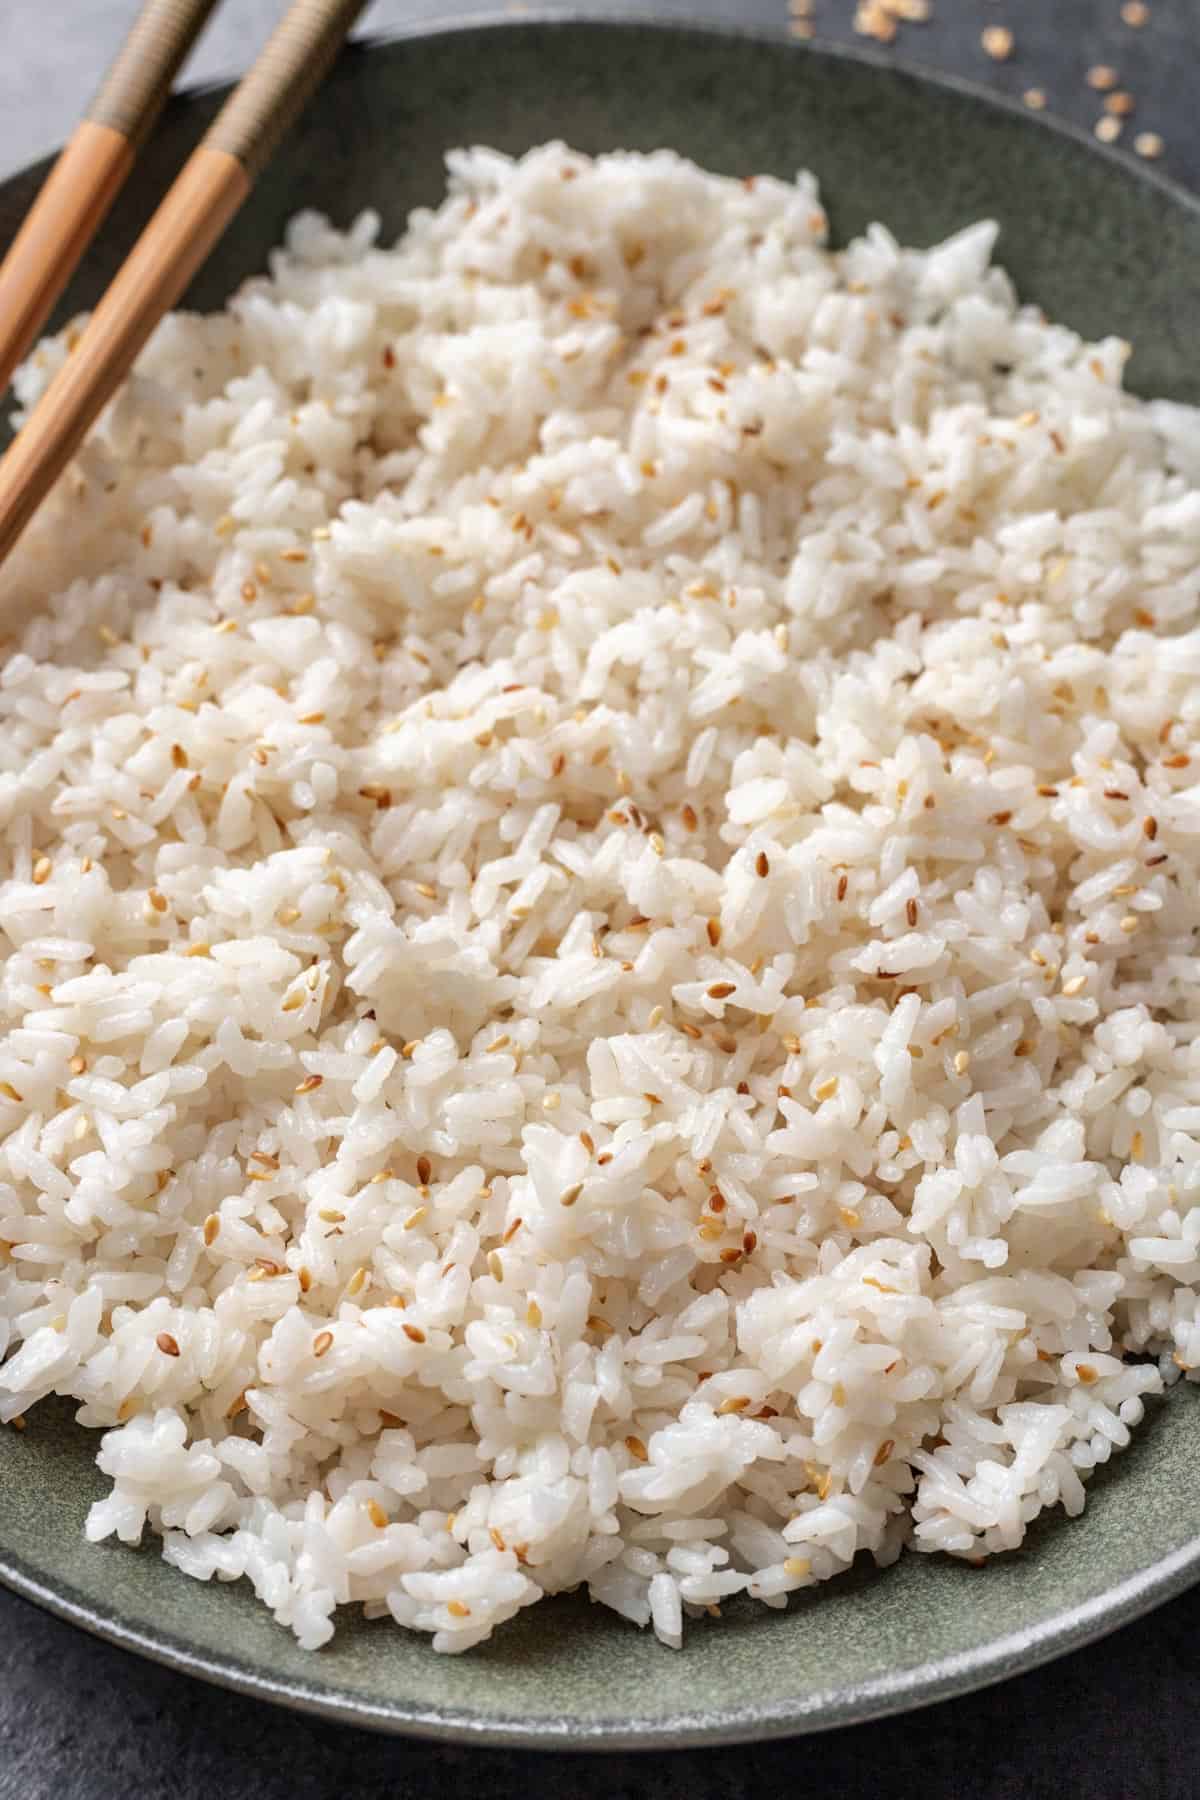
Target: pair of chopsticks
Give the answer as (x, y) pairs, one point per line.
(210, 188)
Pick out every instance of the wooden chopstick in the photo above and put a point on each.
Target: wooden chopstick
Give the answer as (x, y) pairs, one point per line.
(207, 193)
(90, 171)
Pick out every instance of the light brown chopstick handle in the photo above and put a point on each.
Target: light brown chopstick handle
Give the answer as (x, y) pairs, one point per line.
(293, 62)
(56, 231)
(136, 87)
(172, 248)
(89, 173)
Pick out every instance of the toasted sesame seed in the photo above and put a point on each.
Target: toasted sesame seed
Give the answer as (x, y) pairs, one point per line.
(415, 1333)
(167, 1344)
(533, 1314)
(571, 1195)
(962, 1062)
(309, 1085)
(873, 20)
(637, 1449)
(458, 1608)
(796, 1566)
(357, 1281)
(762, 867)
(735, 1403)
(1086, 1373)
(322, 1342)
(43, 868)
(10, 1092)
(1074, 984)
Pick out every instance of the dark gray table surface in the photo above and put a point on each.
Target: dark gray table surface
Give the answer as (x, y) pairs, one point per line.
(1119, 1721)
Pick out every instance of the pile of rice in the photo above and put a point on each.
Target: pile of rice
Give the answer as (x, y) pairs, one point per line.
(599, 984)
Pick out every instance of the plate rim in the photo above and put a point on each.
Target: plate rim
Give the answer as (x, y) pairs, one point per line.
(941, 1678)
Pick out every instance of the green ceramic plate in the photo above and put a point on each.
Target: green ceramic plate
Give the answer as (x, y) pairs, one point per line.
(1095, 242)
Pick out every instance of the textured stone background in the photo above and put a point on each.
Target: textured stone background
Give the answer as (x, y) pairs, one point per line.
(1119, 1721)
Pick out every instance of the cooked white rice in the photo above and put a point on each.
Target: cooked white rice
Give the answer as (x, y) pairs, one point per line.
(599, 980)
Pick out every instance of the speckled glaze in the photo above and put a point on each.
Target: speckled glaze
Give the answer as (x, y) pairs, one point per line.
(1102, 245)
